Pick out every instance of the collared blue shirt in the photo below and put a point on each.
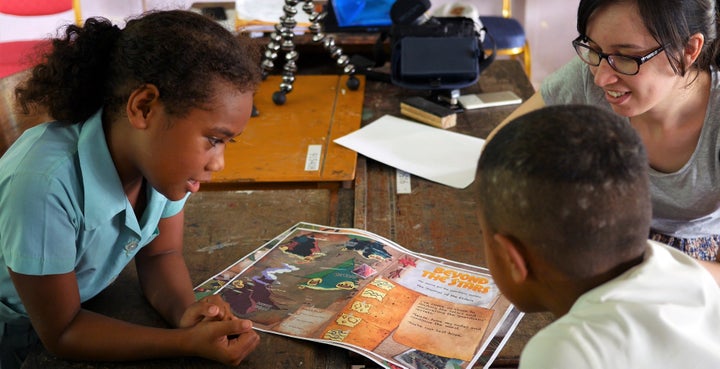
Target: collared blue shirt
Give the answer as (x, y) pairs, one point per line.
(63, 209)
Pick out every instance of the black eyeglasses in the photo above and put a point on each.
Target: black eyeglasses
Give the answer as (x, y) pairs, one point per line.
(624, 64)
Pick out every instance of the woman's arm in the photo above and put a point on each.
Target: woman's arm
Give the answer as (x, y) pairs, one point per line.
(533, 103)
(714, 268)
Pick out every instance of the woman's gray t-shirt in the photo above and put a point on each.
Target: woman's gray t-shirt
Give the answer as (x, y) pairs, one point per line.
(685, 203)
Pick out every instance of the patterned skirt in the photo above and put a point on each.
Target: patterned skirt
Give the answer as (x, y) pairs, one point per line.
(701, 248)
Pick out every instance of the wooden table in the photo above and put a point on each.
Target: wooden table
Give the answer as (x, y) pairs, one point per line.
(223, 226)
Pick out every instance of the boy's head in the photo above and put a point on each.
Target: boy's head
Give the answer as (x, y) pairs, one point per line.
(563, 191)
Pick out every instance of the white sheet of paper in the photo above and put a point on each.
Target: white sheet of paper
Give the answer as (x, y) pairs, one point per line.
(432, 153)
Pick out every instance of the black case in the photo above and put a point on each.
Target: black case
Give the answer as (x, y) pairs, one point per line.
(444, 53)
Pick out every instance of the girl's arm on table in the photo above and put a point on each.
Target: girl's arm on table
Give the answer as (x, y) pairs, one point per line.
(162, 271)
(165, 279)
(70, 332)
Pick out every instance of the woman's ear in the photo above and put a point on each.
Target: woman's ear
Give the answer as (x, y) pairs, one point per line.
(693, 48)
(514, 257)
(141, 103)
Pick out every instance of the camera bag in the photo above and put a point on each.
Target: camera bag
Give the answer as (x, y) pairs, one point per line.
(443, 53)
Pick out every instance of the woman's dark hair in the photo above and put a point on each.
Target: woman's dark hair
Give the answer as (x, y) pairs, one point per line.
(98, 65)
(671, 23)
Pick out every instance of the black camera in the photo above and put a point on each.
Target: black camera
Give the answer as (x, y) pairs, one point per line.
(436, 53)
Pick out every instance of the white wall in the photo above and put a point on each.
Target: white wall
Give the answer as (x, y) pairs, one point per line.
(14, 28)
(116, 11)
(550, 28)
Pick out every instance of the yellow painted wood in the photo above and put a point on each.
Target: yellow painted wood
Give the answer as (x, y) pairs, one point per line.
(274, 146)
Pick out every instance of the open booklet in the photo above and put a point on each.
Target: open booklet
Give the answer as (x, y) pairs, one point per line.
(354, 289)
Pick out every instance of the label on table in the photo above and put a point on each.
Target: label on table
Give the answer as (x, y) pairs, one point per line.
(403, 182)
(312, 160)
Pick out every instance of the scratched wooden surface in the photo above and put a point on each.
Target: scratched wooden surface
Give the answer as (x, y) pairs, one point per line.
(222, 227)
(437, 219)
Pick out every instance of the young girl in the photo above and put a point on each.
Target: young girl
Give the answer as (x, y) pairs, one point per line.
(656, 63)
(143, 115)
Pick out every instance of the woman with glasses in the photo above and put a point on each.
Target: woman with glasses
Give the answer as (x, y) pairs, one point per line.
(655, 62)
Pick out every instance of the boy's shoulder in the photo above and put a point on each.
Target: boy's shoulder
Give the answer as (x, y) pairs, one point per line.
(617, 323)
(665, 276)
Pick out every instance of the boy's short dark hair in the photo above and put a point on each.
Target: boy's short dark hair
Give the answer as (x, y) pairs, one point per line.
(571, 182)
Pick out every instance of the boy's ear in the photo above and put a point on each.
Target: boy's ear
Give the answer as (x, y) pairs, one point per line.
(513, 256)
(141, 102)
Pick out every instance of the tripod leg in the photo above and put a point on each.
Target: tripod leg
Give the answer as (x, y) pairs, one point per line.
(335, 51)
(282, 39)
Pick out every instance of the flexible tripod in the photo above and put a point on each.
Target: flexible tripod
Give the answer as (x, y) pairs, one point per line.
(282, 39)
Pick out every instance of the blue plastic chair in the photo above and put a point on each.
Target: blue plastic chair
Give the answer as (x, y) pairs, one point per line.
(508, 34)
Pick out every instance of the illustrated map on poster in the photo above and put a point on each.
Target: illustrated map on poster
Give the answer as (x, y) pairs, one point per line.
(357, 290)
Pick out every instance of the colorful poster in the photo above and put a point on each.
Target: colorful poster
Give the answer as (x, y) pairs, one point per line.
(354, 289)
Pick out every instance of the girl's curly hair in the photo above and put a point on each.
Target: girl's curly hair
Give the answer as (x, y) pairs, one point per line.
(98, 65)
